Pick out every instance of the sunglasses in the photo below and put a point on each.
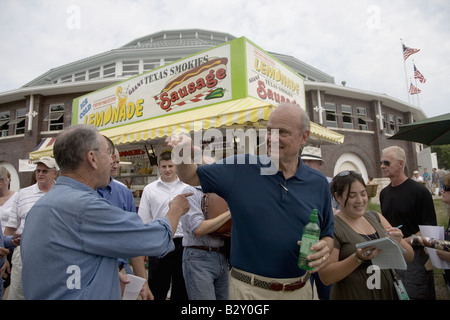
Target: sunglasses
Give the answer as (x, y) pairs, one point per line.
(348, 172)
(385, 162)
(446, 188)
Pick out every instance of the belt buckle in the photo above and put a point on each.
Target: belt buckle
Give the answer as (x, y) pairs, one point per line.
(288, 286)
(296, 285)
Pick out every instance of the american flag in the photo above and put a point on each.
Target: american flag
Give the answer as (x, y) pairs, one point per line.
(408, 51)
(418, 75)
(413, 89)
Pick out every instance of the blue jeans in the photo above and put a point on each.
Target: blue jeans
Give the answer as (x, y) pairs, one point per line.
(205, 274)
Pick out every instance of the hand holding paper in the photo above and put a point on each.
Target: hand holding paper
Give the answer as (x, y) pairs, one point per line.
(435, 232)
(390, 253)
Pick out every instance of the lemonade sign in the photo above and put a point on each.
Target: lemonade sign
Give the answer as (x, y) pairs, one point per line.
(269, 80)
(189, 83)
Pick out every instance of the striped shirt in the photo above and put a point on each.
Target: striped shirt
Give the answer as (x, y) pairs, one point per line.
(25, 199)
(192, 220)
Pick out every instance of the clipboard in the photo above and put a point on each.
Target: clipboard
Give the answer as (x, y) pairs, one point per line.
(390, 256)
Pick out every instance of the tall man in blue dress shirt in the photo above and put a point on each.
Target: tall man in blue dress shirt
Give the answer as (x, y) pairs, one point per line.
(72, 237)
(269, 211)
(118, 195)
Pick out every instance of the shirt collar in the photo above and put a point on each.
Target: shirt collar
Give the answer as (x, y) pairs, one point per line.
(176, 181)
(301, 172)
(64, 180)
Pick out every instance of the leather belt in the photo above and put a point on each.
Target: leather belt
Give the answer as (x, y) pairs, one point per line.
(204, 248)
(274, 286)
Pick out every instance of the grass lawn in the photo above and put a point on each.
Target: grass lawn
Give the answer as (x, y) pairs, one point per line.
(442, 292)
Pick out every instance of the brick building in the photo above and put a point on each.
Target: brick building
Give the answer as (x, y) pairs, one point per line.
(33, 114)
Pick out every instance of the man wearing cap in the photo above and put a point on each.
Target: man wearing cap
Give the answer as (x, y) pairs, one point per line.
(312, 156)
(46, 174)
(417, 177)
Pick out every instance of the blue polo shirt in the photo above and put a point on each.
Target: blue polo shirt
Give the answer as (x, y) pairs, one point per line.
(268, 219)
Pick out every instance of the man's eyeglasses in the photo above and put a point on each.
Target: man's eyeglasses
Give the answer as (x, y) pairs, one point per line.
(348, 172)
(43, 171)
(385, 162)
(446, 188)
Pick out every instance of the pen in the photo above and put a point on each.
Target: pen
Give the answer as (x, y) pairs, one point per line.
(399, 227)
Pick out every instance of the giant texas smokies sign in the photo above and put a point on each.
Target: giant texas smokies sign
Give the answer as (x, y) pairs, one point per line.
(231, 71)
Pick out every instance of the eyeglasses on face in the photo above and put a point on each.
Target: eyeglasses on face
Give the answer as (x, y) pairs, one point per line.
(385, 162)
(43, 171)
(446, 187)
(348, 172)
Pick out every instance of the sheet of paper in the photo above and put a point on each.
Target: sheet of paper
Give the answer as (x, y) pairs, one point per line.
(390, 257)
(436, 232)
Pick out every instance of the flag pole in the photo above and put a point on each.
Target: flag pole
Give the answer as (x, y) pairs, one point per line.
(415, 80)
(406, 76)
(413, 100)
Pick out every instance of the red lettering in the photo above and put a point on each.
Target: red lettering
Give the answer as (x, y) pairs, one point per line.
(183, 92)
(165, 101)
(174, 96)
(271, 95)
(211, 81)
(277, 96)
(221, 73)
(200, 84)
(261, 91)
(191, 87)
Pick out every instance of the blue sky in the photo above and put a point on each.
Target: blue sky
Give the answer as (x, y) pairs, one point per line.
(353, 40)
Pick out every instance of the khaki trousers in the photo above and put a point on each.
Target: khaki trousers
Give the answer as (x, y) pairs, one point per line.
(15, 287)
(243, 291)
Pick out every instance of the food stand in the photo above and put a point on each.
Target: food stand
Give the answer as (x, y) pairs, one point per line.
(233, 86)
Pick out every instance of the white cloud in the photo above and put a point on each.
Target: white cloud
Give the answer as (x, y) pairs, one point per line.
(356, 41)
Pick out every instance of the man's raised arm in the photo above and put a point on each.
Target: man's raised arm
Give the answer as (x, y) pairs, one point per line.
(182, 156)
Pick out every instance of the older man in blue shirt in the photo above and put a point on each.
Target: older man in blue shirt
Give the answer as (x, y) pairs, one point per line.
(72, 237)
(269, 210)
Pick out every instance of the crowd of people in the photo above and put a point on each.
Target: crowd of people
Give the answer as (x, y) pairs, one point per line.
(79, 217)
(434, 181)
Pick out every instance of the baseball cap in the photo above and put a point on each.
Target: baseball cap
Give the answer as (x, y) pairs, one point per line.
(49, 162)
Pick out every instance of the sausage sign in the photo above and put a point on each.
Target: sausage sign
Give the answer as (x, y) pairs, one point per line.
(193, 83)
(231, 71)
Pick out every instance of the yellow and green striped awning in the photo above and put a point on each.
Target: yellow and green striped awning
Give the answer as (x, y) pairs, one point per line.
(221, 115)
(238, 112)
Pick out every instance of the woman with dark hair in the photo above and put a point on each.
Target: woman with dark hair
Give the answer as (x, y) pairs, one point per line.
(348, 268)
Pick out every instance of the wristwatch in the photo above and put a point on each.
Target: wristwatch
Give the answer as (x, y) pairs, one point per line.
(357, 259)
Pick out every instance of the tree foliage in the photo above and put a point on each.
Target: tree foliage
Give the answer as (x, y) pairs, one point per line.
(443, 155)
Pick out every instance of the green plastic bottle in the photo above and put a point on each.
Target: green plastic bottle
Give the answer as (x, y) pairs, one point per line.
(311, 234)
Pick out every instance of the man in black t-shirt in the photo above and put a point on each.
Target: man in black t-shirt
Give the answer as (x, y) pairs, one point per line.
(408, 203)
